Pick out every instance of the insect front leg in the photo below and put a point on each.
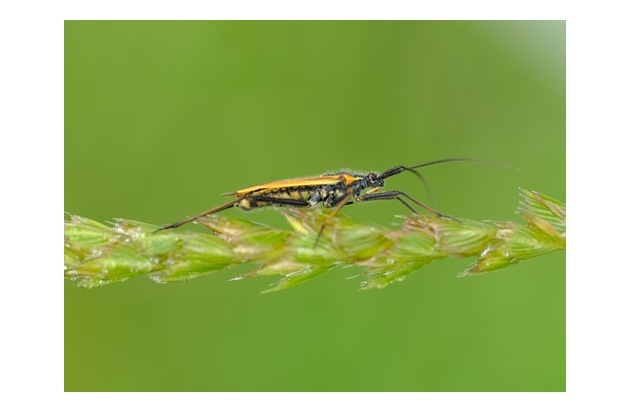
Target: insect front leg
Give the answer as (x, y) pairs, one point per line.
(398, 195)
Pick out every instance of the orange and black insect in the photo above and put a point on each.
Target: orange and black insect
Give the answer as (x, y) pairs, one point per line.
(334, 191)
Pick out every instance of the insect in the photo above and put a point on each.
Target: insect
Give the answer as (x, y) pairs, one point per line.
(333, 190)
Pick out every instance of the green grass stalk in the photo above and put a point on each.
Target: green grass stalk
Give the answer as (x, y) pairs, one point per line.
(97, 254)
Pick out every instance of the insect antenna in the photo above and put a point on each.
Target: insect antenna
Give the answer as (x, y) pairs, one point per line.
(424, 181)
(399, 169)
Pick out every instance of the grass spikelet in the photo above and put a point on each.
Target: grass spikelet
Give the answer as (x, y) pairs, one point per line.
(96, 254)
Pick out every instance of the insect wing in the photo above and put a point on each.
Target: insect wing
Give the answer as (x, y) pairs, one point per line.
(280, 184)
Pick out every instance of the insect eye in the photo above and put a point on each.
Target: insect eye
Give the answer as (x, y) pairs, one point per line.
(372, 177)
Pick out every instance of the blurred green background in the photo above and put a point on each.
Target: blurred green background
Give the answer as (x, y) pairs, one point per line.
(163, 117)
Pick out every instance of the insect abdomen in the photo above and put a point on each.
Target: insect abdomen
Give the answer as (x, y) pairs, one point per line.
(296, 197)
(248, 203)
(299, 193)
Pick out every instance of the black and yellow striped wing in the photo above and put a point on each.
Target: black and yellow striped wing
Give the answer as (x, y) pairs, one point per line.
(317, 181)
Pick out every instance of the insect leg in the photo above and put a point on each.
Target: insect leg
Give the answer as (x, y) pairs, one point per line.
(206, 213)
(341, 203)
(397, 195)
(407, 205)
(279, 201)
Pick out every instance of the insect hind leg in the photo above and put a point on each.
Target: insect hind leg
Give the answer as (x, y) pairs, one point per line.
(278, 201)
(206, 213)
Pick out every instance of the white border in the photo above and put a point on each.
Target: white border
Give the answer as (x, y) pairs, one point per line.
(32, 170)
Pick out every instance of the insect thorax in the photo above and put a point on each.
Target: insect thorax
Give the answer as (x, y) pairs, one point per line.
(329, 195)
